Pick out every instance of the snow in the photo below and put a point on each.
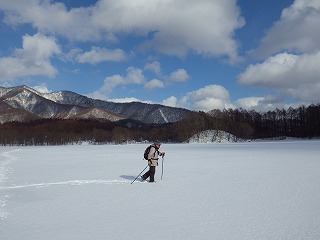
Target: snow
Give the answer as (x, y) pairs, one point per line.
(163, 116)
(55, 96)
(210, 136)
(256, 190)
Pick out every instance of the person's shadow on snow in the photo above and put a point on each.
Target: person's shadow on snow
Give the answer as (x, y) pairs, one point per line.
(128, 177)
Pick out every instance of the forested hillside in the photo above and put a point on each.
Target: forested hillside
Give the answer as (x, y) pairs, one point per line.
(302, 122)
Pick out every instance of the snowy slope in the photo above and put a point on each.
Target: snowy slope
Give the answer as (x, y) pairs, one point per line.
(26, 103)
(63, 104)
(243, 191)
(211, 136)
(148, 113)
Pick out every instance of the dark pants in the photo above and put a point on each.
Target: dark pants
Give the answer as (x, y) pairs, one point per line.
(150, 173)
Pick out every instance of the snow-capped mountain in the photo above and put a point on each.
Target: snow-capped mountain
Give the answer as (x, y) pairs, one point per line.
(148, 113)
(24, 103)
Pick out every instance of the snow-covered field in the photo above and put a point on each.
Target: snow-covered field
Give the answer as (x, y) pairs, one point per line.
(262, 190)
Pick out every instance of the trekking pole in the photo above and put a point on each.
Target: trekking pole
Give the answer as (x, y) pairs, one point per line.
(139, 174)
(162, 167)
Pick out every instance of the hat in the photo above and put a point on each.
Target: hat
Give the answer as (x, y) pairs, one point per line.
(157, 142)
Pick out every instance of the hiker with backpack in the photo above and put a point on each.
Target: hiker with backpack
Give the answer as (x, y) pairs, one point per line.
(152, 154)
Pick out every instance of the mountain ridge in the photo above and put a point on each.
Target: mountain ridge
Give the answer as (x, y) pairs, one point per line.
(28, 103)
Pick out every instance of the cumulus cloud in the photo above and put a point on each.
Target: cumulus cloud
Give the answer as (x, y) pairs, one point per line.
(99, 94)
(97, 55)
(33, 59)
(154, 67)
(290, 50)
(296, 76)
(206, 99)
(296, 31)
(136, 76)
(180, 75)
(262, 104)
(124, 100)
(273, 72)
(52, 17)
(154, 83)
(173, 27)
(42, 88)
(133, 76)
(170, 102)
(248, 102)
(309, 93)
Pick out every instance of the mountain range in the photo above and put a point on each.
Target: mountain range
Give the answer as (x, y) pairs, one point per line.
(24, 104)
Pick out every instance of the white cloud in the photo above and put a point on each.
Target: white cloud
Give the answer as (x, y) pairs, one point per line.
(176, 27)
(206, 99)
(248, 102)
(180, 75)
(209, 98)
(291, 48)
(124, 100)
(153, 67)
(296, 31)
(52, 17)
(262, 104)
(273, 72)
(170, 102)
(308, 93)
(42, 88)
(133, 76)
(136, 76)
(99, 94)
(296, 76)
(188, 26)
(97, 55)
(33, 59)
(155, 83)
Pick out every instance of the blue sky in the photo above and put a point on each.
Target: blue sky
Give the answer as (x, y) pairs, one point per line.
(195, 54)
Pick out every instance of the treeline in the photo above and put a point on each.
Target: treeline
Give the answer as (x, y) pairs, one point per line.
(70, 131)
(302, 122)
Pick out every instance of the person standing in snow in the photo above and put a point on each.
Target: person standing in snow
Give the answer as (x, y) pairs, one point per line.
(153, 157)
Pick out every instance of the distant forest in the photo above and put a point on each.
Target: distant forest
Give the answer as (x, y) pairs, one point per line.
(302, 122)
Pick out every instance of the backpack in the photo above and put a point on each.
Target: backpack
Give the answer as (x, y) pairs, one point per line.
(146, 152)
